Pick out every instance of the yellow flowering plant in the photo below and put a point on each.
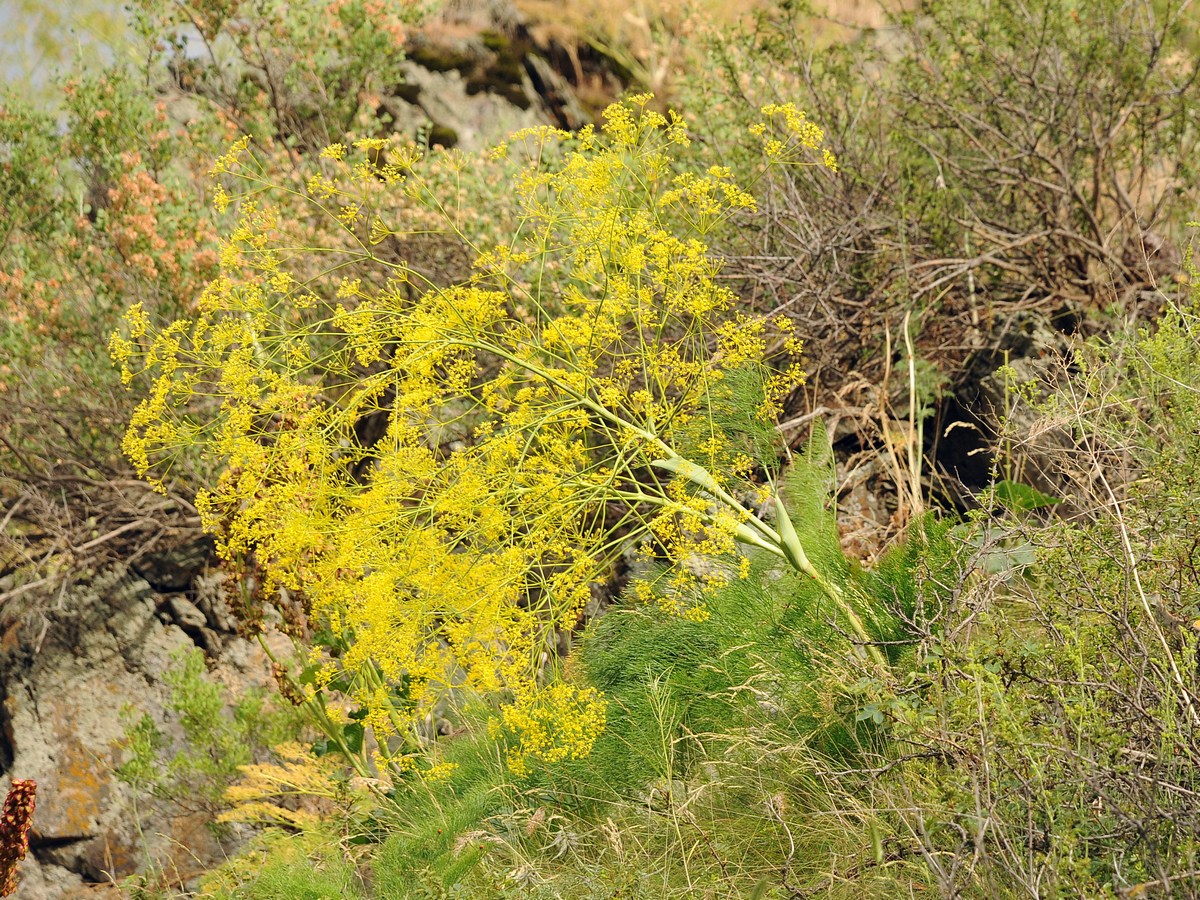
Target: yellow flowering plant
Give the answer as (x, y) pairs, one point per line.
(588, 394)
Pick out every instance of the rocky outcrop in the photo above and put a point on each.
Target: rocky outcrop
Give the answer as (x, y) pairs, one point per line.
(72, 679)
(470, 84)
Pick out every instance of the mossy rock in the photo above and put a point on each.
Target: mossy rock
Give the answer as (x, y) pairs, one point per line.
(503, 78)
(441, 59)
(494, 40)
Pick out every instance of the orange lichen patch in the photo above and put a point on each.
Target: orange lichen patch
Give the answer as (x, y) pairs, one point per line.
(77, 799)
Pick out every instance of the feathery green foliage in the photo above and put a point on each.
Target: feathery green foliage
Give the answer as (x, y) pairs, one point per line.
(216, 741)
(719, 734)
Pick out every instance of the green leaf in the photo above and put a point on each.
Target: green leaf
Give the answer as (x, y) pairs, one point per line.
(352, 734)
(1022, 497)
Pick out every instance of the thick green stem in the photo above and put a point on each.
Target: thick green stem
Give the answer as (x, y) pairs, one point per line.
(375, 679)
(752, 530)
(784, 542)
(317, 715)
(799, 559)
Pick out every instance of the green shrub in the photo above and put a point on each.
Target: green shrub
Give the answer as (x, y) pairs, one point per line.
(217, 738)
(302, 72)
(1059, 708)
(278, 866)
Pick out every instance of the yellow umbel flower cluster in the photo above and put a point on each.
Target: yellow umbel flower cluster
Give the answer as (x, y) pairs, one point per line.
(557, 722)
(445, 473)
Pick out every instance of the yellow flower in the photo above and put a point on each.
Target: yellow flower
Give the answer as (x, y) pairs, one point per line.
(436, 468)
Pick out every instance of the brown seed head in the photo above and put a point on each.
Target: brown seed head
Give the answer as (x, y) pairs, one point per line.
(286, 688)
(14, 831)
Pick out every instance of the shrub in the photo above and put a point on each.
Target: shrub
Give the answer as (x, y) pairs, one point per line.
(561, 405)
(1059, 709)
(1005, 167)
(101, 211)
(303, 73)
(278, 866)
(216, 740)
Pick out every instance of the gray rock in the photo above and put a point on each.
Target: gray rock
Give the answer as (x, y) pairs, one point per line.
(477, 120)
(40, 880)
(185, 613)
(65, 682)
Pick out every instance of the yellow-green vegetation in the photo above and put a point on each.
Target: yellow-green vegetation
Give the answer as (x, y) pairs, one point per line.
(1067, 718)
(589, 389)
(216, 741)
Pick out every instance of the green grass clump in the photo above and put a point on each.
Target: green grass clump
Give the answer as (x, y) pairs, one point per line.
(308, 866)
(713, 775)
